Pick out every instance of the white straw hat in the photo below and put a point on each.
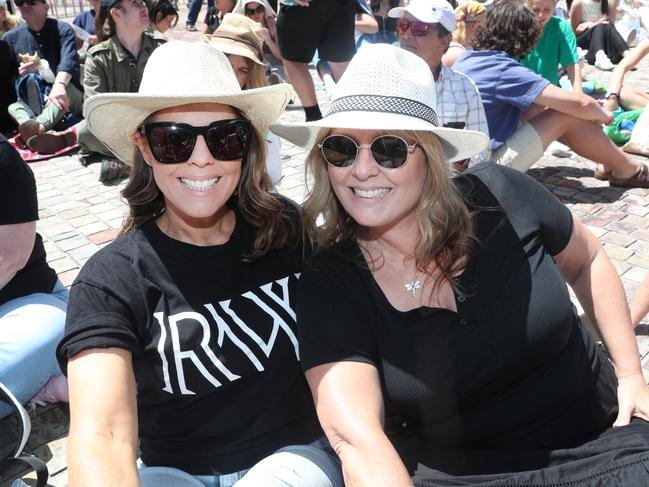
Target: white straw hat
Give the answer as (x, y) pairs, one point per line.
(386, 88)
(179, 73)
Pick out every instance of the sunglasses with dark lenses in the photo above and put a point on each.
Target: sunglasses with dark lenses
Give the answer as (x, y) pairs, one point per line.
(252, 11)
(173, 142)
(389, 151)
(20, 3)
(418, 29)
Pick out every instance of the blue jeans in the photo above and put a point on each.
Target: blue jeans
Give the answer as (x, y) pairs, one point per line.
(312, 465)
(194, 10)
(30, 329)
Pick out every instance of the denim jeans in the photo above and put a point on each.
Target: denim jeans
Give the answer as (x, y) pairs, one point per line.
(30, 329)
(312, 465)
(194, 10)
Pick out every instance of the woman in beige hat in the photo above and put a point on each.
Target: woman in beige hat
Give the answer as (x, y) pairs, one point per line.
(239, 38)
(180, 343)
(435, 324)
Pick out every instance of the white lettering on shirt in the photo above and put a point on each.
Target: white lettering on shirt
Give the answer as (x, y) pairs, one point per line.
(183, 320)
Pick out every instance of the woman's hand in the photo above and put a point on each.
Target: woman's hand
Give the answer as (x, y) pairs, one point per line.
(633, 399)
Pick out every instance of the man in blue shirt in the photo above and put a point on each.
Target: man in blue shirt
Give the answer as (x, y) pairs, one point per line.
(525, 112)
(54, 41)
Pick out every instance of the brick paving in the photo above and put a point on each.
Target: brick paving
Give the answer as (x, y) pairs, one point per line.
(79, 215)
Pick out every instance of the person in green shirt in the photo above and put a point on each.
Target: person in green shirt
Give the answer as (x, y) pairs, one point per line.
(557, 45)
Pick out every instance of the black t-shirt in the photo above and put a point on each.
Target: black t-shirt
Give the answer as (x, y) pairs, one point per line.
(513, 370)
(18, 204)
(214, 345)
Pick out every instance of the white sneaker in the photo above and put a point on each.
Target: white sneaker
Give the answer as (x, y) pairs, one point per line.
(604, 63)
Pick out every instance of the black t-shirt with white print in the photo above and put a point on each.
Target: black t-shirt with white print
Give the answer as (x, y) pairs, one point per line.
(214, 345)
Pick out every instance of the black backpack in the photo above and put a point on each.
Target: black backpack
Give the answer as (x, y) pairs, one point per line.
(14, 432)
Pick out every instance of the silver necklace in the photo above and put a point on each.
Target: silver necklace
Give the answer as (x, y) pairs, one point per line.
(412, 285)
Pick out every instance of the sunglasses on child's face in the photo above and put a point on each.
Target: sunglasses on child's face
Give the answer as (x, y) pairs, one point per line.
(20, 3)
(173, 142)
(252, 11)
(417, 28)
(388, 151)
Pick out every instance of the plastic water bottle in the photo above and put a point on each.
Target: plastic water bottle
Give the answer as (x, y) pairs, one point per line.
(625, 127)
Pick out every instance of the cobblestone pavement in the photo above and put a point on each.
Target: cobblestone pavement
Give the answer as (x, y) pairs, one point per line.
(79, 215)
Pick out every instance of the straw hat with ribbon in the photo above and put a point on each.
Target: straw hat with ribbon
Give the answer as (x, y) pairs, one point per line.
(179, 73)
(386, 88)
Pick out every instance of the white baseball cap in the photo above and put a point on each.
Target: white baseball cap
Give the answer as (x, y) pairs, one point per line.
(428, 11)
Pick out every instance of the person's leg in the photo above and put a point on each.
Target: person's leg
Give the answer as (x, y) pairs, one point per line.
(640, 305)
(632, 99)
(586, 139)
(51, 114)
(614, 46)
(337, 44)
(315, 465)
(194, 10)
(169, 477)
(20, 112)
(89, 142)
(298, 33)
(32, 327)
(299, 76)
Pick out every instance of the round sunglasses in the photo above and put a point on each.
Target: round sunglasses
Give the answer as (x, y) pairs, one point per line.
(417, 28)
(173, 142)
(388, 151)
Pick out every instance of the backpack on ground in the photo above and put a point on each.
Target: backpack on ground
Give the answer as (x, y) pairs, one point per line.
(15, 427)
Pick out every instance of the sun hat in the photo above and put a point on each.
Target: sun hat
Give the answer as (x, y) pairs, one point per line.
(240, 36)
(179, 73)
(428, 11)
(386, 88)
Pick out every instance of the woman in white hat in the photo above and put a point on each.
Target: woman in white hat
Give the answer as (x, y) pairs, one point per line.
(435, 323)
(180, 343)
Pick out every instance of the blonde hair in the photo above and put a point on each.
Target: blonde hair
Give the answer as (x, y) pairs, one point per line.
(444, 221)
(469, 10)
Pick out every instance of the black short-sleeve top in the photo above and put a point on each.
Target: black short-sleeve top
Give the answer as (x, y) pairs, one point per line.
(496, 374)
(214, 344)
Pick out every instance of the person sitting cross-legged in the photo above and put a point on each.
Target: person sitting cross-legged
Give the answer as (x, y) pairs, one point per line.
(115, 64)
(42, 38)
(526, 112)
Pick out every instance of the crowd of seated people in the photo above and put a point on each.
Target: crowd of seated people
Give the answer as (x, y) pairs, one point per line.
(202, 346)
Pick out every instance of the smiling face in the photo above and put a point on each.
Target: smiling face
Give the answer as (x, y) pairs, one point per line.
(195, 191)
(543, 10)
(376, 198)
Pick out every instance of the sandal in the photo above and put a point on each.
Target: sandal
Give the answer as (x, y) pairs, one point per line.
(639, 180)
(602, 174)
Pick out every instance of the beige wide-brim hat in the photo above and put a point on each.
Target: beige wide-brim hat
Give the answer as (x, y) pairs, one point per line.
(239, 35)
(386, 88)
(179, 73)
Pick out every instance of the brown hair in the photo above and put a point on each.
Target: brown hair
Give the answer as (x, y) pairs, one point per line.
(444, 221)
(511, 27)
(258, 207)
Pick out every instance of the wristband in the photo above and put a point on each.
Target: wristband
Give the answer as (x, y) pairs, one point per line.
(611, 95)
(61, 83)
